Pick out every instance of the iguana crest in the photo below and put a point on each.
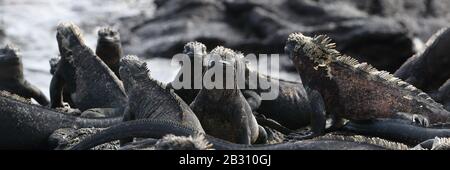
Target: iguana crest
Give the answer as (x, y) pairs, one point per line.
(172, 142)
(229, 56)
(134, 68)
(368, 140)
(134, 71)
(441, 144)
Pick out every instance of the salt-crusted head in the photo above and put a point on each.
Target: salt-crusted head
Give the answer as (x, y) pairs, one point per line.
(68, 36)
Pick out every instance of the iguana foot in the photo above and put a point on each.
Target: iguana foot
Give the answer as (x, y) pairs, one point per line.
(415, 119)
(420, 120)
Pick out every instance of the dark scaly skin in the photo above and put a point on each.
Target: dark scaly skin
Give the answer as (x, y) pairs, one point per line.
(396, 130)
(109, 48)
(28, 126)
(291, 108)
(357, 91)
(429, 69)
(224, 112)
(83, 75)
(196, 52)
(443, 95)
(149, 99)
(54, 62)
(12, 79)
(147, 128)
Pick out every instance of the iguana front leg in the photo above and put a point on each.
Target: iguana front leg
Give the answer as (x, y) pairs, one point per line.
(318, 118)
(35, 93)
(56, 91)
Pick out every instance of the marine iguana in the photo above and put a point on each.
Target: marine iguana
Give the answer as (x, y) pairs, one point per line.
(291, 108)
(357, 91)
(148, 128)
(109, 48)
(28, 126)
(196, 52)
(429, 69)
(12, 78)
(396, 130)
(150, 99)
(83, 75)
(224, 112)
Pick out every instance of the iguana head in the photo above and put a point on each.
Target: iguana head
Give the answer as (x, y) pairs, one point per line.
(10, 63)
(108, 34)
(54, 64)
(195, 50)
(311, 53)
(231, 63)
(68, 36)
(10, 55)
(133, 70)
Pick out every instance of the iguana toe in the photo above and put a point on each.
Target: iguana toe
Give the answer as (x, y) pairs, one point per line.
(420, 120)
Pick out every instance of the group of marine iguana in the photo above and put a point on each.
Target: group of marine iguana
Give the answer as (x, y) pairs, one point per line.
(338, 104)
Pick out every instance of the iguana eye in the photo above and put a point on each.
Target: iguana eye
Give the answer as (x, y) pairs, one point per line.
(211, 63)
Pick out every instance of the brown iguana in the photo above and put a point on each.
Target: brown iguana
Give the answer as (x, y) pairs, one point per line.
(357, 91)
